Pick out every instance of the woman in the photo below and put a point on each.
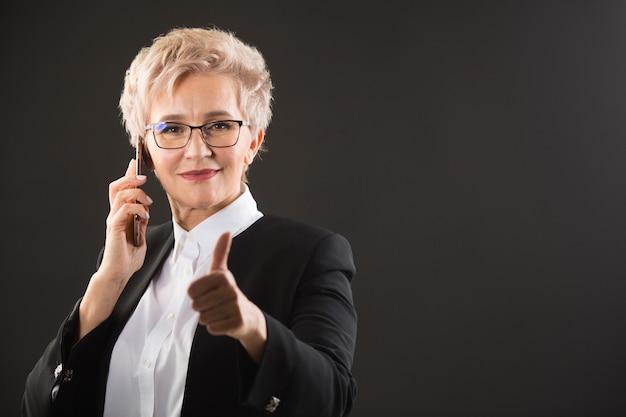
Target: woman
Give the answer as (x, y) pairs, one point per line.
(223, 311)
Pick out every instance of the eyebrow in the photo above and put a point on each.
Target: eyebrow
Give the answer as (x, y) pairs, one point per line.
(208, 115)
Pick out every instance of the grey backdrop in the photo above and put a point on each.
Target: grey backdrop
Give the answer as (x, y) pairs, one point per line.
(472, 152)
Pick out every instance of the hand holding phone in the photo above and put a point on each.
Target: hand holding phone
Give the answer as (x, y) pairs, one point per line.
(137, 219)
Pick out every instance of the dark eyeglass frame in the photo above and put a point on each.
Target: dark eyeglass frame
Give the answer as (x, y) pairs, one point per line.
(151, 126)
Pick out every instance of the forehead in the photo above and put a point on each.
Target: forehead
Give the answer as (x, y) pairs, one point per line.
(196, 95)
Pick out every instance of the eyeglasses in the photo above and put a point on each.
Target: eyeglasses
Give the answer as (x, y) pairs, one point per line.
(218, 134)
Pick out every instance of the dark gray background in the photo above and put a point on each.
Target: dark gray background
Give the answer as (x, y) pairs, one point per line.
(472, 152)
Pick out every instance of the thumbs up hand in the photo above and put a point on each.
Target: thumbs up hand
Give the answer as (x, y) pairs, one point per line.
(223, 308)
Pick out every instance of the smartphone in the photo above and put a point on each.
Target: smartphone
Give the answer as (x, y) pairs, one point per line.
(137, 219)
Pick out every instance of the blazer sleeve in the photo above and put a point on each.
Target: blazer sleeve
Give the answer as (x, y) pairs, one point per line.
(69, 378)
(306, 366)
(43, 378)
(61, 382)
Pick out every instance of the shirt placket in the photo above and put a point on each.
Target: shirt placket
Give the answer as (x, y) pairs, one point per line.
(164, 326)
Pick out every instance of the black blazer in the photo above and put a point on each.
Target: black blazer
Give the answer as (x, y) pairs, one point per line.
(299, 275)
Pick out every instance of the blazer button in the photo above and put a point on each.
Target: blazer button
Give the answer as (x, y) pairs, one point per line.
(58, 370)
(272, 404)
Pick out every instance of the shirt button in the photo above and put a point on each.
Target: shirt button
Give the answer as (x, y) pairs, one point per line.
(148, 363)
(170, 316)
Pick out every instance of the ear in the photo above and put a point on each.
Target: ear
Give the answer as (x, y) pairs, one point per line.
(255, 145)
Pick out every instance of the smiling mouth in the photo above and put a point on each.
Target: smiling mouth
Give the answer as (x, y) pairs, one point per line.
(199, 174)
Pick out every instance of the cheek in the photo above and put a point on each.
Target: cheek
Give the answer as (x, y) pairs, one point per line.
(232, 159)
(163, 165)
(163, 158)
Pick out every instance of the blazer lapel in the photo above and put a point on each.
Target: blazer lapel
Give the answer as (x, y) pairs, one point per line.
(161, 240)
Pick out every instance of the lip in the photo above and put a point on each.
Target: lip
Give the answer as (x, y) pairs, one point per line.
(199, 174)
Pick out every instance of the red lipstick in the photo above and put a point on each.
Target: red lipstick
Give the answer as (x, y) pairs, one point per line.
(199, 174)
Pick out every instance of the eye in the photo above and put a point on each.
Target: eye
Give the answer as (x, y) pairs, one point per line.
(219, 126)
(168, 128)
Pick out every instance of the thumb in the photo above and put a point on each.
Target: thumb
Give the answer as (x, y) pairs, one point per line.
(220, 252)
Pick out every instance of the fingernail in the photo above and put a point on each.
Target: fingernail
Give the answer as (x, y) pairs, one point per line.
(141, 177)
(149, 199)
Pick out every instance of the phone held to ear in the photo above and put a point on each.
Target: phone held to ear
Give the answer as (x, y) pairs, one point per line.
(137, 219)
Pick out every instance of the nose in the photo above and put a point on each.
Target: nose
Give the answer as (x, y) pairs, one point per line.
(197, 145)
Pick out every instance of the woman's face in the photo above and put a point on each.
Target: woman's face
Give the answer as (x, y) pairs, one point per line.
(199, 180)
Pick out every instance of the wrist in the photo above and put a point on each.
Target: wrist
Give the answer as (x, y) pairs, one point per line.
(255, 340)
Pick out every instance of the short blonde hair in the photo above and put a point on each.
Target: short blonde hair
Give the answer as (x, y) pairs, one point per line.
(183, 51)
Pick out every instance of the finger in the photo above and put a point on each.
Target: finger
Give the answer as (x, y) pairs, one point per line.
(128, 181)
(136, 180)
(123, 216)
(203, 286)
(132, 201)
(220, 325)
(132, 195)
(210, 291)
(220, 253)
(130, 170)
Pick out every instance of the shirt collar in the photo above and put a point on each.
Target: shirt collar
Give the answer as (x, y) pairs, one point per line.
(234, 218)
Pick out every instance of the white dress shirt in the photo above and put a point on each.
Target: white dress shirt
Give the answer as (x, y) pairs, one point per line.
(149, 361)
